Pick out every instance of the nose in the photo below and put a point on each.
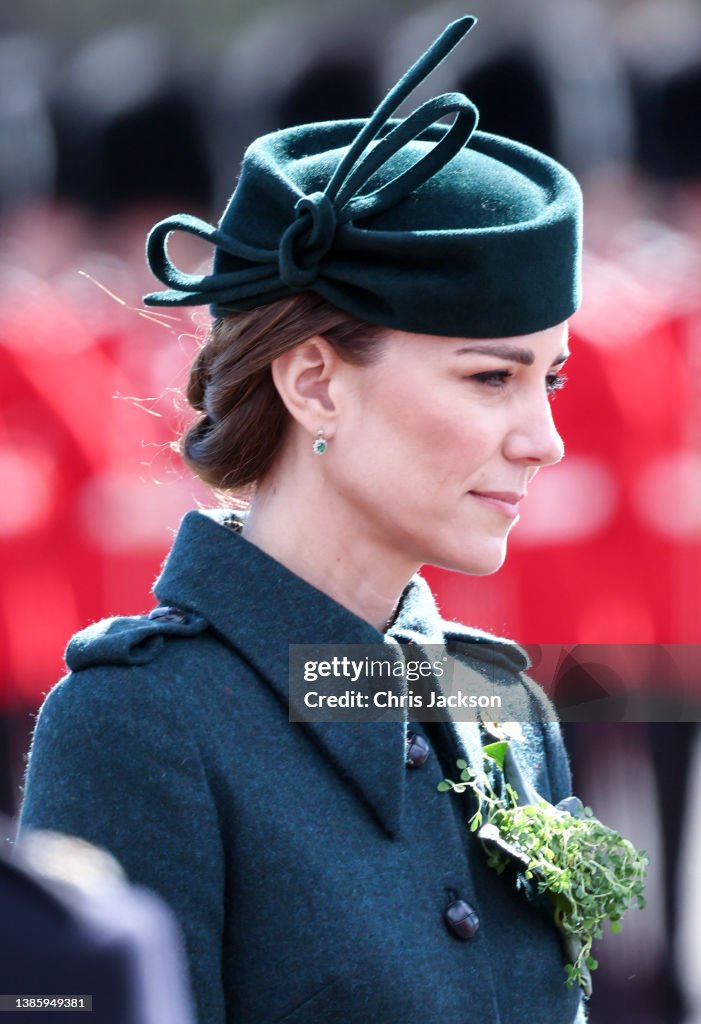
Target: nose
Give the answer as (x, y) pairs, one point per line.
(534, 438)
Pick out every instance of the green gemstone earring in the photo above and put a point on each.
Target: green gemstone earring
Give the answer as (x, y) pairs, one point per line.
(319, 446)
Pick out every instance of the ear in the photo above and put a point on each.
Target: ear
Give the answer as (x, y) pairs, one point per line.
(305, 377)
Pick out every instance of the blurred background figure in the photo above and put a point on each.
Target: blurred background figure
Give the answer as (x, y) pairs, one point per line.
(28, 153)
(660, 44)
(112, 115)
(73, 926)
(271, 76)
(125, 122)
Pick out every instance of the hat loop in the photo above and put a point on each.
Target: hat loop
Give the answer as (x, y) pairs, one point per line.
(306, 241)
(193, 289)
(428, 62)
(357, 204)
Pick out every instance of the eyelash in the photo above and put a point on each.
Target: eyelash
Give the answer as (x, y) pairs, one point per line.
(498, 378)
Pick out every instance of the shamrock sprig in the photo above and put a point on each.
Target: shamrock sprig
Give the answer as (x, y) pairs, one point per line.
(590, 872)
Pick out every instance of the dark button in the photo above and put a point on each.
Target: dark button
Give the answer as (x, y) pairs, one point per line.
(165, 613)
(462, 919)
(417, 750)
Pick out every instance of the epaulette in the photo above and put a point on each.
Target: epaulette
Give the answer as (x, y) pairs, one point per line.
(131, 640)
(497, 655)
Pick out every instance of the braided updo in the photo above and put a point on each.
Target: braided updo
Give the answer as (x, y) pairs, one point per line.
(243, 421)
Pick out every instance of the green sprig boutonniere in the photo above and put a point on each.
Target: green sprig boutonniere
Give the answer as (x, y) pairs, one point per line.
(590, 872)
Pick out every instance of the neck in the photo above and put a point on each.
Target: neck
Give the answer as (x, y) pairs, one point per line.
(327, 544)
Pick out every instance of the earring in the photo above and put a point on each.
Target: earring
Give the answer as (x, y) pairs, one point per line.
(319, 446)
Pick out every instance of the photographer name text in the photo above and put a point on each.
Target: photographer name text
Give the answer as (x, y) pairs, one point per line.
(387, 699)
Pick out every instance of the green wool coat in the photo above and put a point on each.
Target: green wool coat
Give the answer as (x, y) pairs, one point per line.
(309, 869)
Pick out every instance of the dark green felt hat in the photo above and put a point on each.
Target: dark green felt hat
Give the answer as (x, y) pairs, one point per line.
(412, 224)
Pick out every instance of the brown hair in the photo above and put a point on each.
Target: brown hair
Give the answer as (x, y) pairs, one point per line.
(243, 420)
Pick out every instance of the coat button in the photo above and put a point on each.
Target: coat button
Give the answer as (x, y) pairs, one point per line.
(417, 750)
(165, 613)
(462, 919)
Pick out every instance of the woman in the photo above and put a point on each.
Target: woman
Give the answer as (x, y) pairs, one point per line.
(390, 319)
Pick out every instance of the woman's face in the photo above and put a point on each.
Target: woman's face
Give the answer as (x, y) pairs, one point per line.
(436, 442)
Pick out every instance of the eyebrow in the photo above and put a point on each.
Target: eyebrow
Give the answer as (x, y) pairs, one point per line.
(524, 356)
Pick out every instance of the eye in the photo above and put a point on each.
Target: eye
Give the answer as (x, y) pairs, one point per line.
(555, 382)
(493, 378)
(498, 379)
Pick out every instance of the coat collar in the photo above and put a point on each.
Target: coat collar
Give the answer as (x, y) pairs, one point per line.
(259, 607)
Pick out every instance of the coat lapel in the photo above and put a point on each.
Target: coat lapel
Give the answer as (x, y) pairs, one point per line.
(466, 737)
(258, 607)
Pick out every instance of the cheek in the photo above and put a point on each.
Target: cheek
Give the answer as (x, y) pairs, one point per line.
(406, 439)
(399, 427)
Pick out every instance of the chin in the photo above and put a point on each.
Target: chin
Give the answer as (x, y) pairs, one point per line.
(482, 563)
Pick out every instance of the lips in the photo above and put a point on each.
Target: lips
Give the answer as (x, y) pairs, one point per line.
(506, 502)
(510, 497)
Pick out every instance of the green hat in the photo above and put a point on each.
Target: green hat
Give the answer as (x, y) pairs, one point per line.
(411, 224)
